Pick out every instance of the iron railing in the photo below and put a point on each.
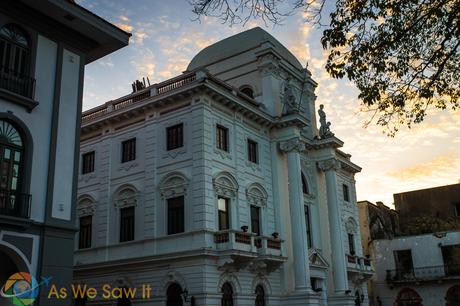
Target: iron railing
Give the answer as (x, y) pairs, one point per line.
(423, 273)
(15, 204)
(17, 83)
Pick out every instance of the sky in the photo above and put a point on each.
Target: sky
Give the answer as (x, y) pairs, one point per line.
(166, 36)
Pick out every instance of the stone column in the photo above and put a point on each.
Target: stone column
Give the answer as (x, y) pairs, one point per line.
(297, 214)
(337, 248)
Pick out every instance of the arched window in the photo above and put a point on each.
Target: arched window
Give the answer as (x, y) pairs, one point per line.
(260, 296)
(247, 90)
(453, 296)
(12, 202)
(304, 185)
(227, 295)
(408, 297)
(173, 294)
(14, 49)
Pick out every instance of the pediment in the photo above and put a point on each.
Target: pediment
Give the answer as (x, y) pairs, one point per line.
(316, 259)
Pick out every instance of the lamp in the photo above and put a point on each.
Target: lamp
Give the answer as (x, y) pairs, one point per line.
(275, 235)
(348, 291)
(244, 228)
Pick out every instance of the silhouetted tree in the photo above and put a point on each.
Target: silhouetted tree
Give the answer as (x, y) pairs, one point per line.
(402, 55)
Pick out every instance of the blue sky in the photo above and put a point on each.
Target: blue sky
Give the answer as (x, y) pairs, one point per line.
(166, 37)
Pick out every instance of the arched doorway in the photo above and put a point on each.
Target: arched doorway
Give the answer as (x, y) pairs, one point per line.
(227, 295)
(260, 296)
(173, 294)
(8, 267)
(453, 296)
(408, 297)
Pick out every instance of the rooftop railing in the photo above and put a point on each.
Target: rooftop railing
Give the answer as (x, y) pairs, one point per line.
(423, 273)
(154, 90)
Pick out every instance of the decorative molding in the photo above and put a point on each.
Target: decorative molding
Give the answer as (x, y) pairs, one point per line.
(256, 195)
(126, 197)
(329, 164)
(86, 206)
(294, 144)
(87, 177)
(225, 185)
(128, 165)
(223, 154)
(173, 185)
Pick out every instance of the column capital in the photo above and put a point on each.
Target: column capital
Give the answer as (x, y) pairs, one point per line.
(293, 144)
(329, 164)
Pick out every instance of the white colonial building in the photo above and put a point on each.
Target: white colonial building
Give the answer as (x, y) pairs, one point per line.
(217, 188)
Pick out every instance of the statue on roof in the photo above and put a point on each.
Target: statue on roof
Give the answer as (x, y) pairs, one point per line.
(325, 126)
(288, 98)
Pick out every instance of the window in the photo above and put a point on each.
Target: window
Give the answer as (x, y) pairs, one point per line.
(87, 162)
(346, 193)
(308, 226)
(451, 258)
(227, 295)
(408, 297)
(127, 224)
(304, 184)
(11, 163)
(15, 61)
(174, 137)
(255, 219)
(403, 261)
(351, 244)
(222, 137)
(128, 150)
(84, 239)
(223, 207)
(248, 91)
(457, 209)
(260, 296)
(253, 151)
(175, 215)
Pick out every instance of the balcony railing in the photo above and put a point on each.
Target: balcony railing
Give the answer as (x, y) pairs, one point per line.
(15, 204)
(361, 264)
(239, 240)
(17, 83)
(423, 273)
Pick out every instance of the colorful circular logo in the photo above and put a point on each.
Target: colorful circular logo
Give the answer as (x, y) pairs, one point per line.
(21, 288)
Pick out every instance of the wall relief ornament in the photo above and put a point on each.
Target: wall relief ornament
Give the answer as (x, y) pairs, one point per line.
(294, 144)
(86, 207)
(174, 184)
(126, 197)
(329, 164)
(256, 195)
(225, 185)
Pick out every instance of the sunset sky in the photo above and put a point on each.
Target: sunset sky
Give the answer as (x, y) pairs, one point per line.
(166, 37)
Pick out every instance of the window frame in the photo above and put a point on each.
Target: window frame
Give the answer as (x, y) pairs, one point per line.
(88, 169)
(179, 138)
(307, 214)
(127, 230)
(221, 212)
(351, 244)
(253, 151)
(346, 193)
(255, 215)
(85, 233)
(178, 226)
(222, 138)
(128, 150)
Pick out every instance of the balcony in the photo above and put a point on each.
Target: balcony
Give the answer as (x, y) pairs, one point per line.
(15, 204)
(17, 87)
(423, 274)
(359, 265)
(241, 249)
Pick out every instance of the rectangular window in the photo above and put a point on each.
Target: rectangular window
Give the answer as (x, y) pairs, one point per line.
(346, 193)
(174, 137)
(87, 162)
(253, 151)
(308, 226)
(403, 261)
(223, 213)
(222, 137)
(457, 209)
(127, 224)
(84, 238)
(255, 219)
(351, 244)
(128, 150)
(176, 215)
(451, 258)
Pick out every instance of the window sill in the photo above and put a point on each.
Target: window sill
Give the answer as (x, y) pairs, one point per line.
(27, 103)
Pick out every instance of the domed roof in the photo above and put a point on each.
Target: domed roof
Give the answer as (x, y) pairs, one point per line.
(237, 44)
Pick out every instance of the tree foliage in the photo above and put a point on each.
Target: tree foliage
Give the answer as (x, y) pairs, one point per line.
(402, 55)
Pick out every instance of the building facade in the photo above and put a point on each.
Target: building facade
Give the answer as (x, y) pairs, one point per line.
(217, 188)
(44, 46)
(417, 254)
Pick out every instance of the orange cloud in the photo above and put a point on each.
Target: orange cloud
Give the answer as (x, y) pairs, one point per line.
(439, 164)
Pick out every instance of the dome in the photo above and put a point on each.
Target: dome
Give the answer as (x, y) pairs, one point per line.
(238, 44)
